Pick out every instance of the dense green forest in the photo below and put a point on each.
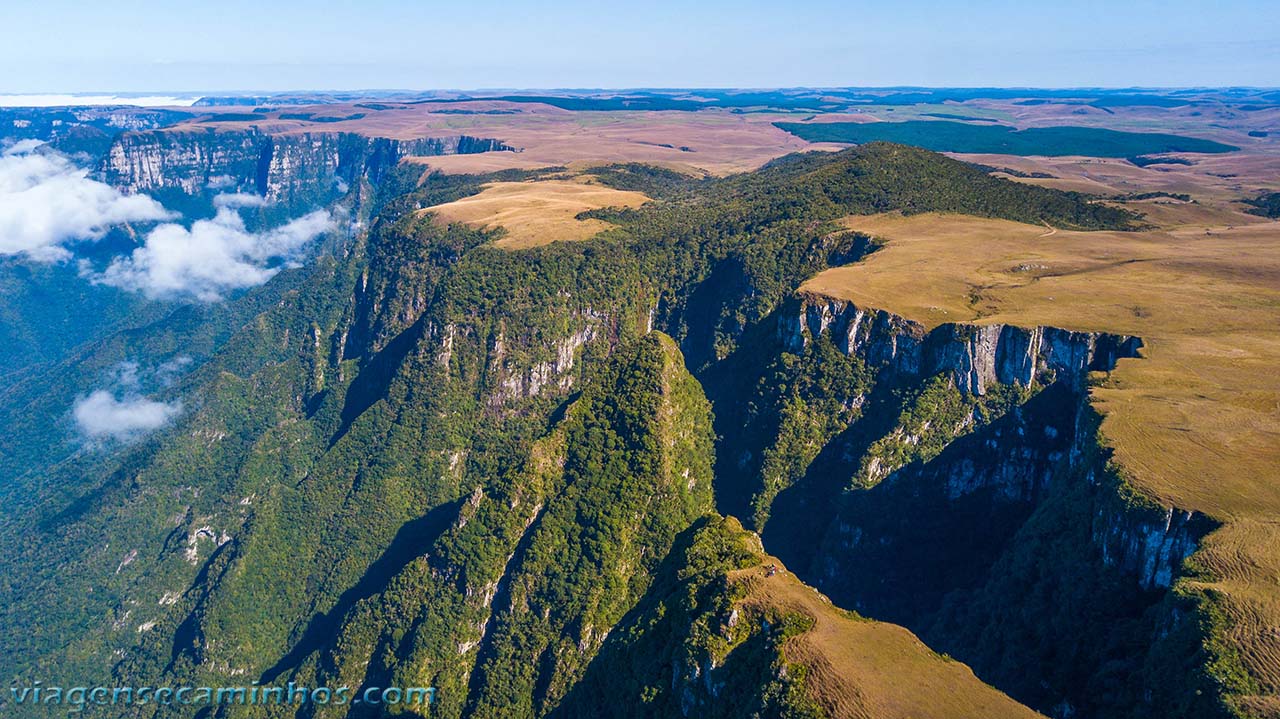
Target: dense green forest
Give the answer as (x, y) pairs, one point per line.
(46, 312)
(691, 622)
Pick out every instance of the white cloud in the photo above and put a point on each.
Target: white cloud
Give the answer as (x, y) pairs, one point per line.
(166, 372)
(22, 146)
(120, 412)
(46, 202)
(213, 256)
(238, 199)
(102, 415)
(221, 182)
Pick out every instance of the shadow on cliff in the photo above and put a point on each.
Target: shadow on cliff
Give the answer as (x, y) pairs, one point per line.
(895, 550)
(801, 513)
(728, 385)
(371, 384)
(412, 540)
(990, 552)
(641, 669)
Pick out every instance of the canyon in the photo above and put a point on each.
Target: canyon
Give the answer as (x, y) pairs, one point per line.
(726, 453)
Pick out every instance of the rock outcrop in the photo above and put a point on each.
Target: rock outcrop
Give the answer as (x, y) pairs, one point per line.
(1152, 548)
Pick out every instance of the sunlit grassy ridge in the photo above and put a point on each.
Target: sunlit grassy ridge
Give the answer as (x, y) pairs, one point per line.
(747, 641)
(535, 213)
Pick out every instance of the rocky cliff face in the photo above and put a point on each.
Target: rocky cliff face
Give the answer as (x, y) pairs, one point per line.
(976, 356)
(80, 131)
(1149, 545)
(281, 168)
(516, 382)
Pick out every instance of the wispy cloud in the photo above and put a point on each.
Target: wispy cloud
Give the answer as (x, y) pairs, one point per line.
(21, 147)
(221, 182)
(120, 412)
(46, 202)
(213, 256)
(235, 200)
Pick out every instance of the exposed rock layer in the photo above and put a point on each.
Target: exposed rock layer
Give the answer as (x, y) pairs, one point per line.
(975, 355)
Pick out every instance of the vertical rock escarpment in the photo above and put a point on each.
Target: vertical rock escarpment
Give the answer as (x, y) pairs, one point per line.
(278, 167)
(976, 356)
(1151, 546)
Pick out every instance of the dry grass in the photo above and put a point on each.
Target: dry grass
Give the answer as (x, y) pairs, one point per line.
(865, 669)
(1196, 421)
(1243, 558)
(537, 213)
(720, 142)
(1213, 178)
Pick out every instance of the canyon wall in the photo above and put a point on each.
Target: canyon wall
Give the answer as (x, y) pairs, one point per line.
(280, 168)
(1014, 543)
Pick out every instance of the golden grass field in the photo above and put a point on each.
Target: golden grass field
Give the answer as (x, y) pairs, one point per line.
(863, 669)
(539, 212)
(1195, 422)
(1204, 302)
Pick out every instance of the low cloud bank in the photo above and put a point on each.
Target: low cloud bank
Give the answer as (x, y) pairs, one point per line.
(46, 202)
(212, 257)
(234, 200)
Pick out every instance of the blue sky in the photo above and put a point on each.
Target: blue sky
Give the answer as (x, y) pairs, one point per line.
(156, 46)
